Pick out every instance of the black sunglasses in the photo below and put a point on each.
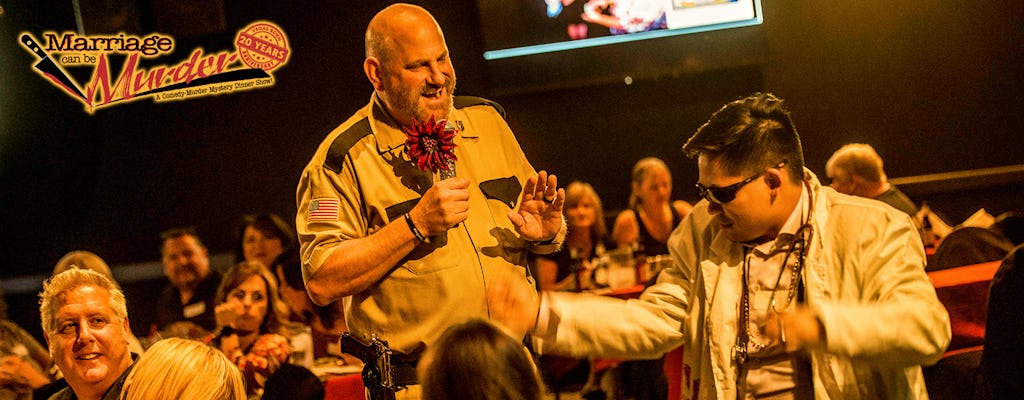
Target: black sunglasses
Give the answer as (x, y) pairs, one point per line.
(725, 194)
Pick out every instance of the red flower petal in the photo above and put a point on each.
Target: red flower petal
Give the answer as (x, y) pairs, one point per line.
(430, 144)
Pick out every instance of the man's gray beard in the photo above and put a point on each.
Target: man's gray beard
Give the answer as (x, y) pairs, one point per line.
(409, 105)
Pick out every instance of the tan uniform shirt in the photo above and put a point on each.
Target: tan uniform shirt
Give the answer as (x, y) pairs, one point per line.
(360, 179)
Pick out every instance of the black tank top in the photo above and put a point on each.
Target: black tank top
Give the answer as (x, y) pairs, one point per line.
(649, 246)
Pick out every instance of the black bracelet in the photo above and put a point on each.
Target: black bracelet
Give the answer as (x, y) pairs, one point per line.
(415, 232)
(546, 242)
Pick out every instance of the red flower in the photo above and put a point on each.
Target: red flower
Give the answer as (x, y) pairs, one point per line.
(431, 145)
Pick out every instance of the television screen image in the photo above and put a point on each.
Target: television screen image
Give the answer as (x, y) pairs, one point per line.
(519, 28)
(537, 45)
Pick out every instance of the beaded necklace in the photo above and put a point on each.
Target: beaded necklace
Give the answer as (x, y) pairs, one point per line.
(746, 336)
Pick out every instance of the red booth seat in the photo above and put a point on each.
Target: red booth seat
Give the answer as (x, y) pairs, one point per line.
(964, 292)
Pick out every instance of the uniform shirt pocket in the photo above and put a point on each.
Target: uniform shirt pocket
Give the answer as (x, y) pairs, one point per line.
(426, 257)
(504, 190)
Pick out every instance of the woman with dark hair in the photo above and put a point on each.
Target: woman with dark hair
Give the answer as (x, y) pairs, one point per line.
(326, 323)
(250, 317)
(476, 360)
(262, 237)
(293, 382)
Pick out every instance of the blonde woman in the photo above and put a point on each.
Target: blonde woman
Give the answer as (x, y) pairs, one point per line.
(652, 215)
(569, 268)
(645, 227)
(183, 369)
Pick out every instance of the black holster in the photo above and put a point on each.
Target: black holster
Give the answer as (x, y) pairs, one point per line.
(384, 371)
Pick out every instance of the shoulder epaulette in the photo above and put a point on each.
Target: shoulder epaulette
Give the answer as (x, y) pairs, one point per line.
(344, 142)
(469, 101)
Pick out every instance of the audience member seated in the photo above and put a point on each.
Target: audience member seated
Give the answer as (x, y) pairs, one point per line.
(478, 360)
(856, 169)
(189, 296)
(91, 261)
(934, 227)
(263, 237)
(645, 228)
(1002, 360)
(571, 267)
(969, 245)
(183, 369)
(85, 322)
(181, 330)
(652, 215)
(250, 320)
(293, 382)
(24, 363)
(326, 323)
(84, 260)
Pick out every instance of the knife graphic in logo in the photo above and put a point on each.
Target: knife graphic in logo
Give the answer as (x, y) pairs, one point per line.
(51, 70)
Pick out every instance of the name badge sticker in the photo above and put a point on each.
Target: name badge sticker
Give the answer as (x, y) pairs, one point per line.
(194, 310)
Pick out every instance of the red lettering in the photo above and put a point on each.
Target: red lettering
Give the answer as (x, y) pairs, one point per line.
(204, 65)
(184, 72)
(133, 80)
(101, 80)
(221, 63)
(153, 80)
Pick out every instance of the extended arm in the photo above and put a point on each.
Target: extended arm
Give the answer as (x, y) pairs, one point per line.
(589, 325)
(354, 264)
(886, 310)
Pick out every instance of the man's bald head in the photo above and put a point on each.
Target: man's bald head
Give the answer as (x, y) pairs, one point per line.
(394, 22)
(408, 64)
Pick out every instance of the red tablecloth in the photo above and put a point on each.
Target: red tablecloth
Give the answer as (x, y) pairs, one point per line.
(964, 292)
(344, 387)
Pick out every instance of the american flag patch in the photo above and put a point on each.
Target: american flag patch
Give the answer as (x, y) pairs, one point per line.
(323, 210)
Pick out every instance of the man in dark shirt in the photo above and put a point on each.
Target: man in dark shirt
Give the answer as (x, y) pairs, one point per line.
(856, 169)
(193, 285)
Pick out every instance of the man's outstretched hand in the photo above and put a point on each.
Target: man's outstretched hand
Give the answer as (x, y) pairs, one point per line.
(513, 306)
(540, 213)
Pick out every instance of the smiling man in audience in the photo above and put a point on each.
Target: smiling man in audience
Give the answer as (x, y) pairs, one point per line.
(85, 322)
(192, 290)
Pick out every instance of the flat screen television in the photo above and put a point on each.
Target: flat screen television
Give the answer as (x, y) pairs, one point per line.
(534, 45)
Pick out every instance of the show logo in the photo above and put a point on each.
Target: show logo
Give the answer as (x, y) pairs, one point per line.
(260, 48)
